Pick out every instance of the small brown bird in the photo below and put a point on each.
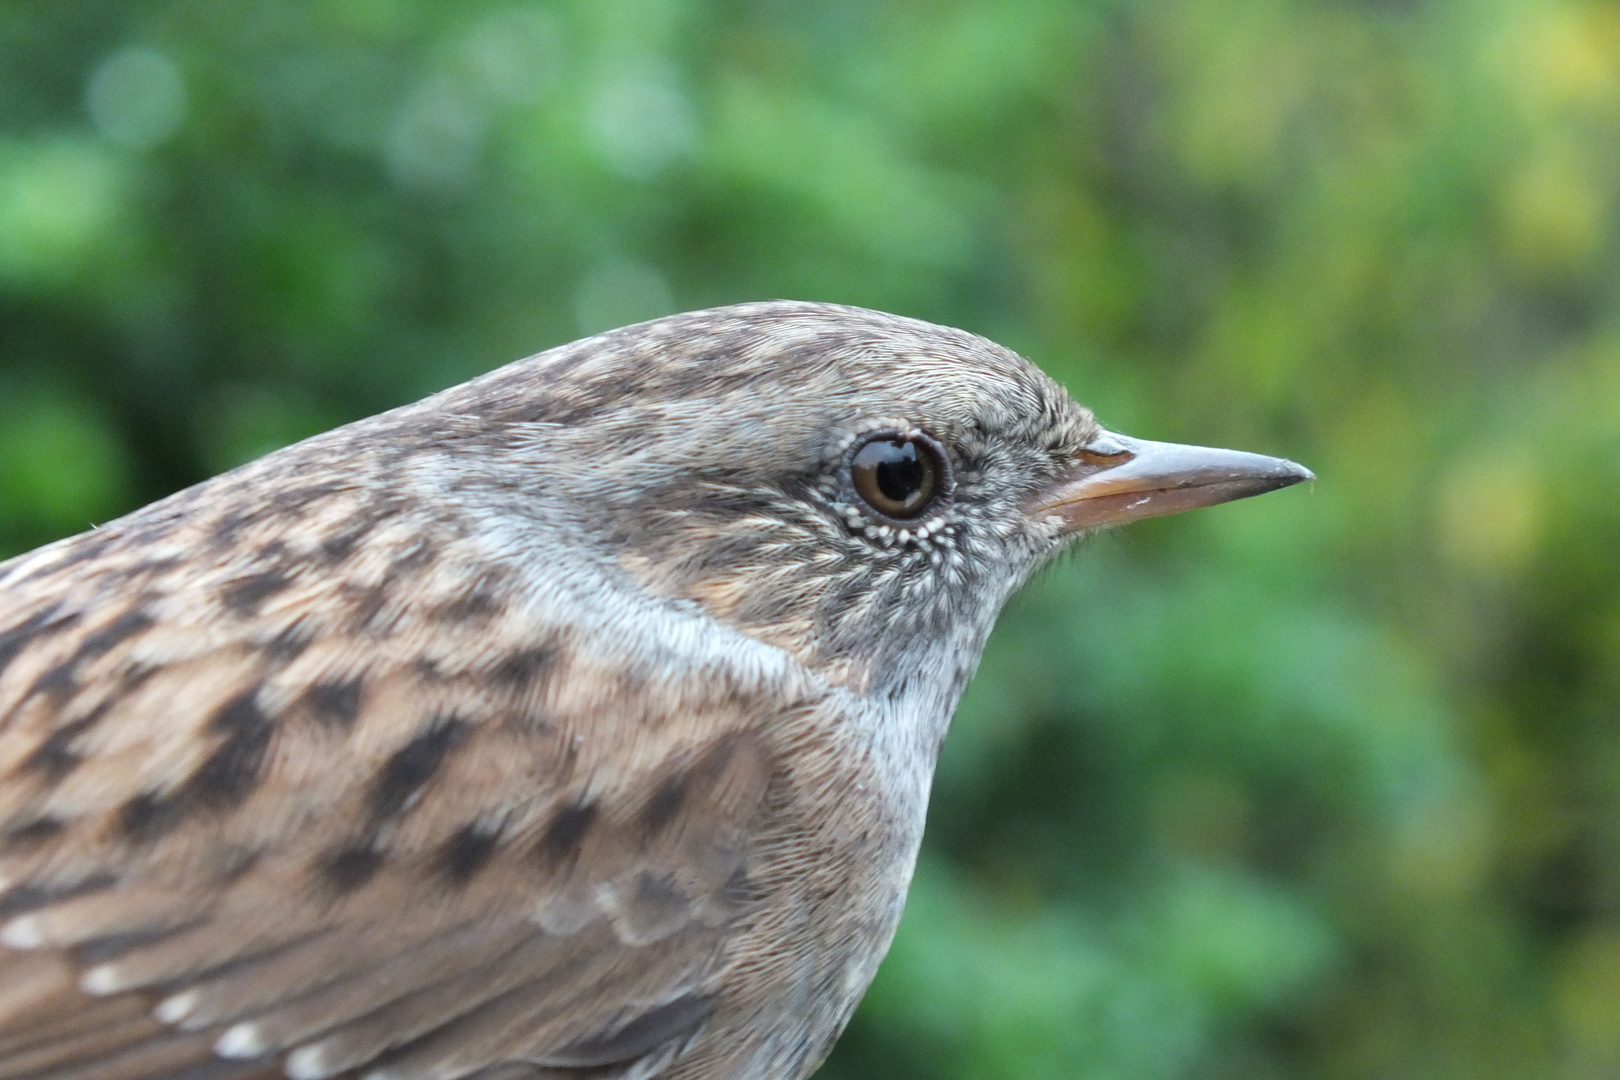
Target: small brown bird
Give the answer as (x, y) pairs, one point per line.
(575, 722)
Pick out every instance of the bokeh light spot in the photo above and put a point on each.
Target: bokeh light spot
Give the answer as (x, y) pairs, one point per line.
(58, 200)
(64, 469)
(1491, 511)
(436, 139)
(640, 120)
(1589, 999)
(1553, 214)
(136, 97)
(514, 55)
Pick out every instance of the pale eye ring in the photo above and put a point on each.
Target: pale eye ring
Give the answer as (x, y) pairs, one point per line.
(900, 475)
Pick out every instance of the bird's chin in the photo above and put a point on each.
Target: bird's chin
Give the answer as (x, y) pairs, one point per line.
(1116, 479)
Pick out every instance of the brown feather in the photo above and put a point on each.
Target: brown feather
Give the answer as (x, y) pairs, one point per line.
(239, 937)
(570, 724)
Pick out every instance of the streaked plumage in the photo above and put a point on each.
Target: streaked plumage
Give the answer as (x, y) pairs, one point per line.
(574, 722)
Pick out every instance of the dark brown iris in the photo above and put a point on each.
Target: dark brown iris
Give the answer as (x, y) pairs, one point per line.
(898, 477)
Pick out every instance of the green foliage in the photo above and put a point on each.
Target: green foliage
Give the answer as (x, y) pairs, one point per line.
(1322, 785)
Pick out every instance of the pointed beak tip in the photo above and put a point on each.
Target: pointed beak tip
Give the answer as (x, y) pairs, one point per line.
(1150, 479)
(1296, 473)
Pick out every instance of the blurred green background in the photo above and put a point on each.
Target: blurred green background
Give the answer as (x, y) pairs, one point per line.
(1321, 785)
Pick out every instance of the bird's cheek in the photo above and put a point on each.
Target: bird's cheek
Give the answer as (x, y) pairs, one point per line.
(767, 611)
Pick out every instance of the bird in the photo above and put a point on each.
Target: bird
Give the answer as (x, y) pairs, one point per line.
(577, 721)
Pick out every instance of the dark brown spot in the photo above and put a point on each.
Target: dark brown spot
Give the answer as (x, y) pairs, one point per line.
(150, 568)
(337, 548)
(335, 703)
(19, 835)
(566, 831)
(666, 801)
(227, 777)
(147, 817)
(229, 862)
(232, 770)
(111, 946)
(288, 644)
(640, 1036)
(521, 669)
(287, 503)
(58, 682)
(475, 606)
(136, 674)
(32, 896)
(225, 529)
(149, 528)
(295, 501)
(412, 766)
(64, 676)
(55, 757)
(115, 633)
(348, 868)
(369, 602)
(657, 901)
(466, 853)
(244, 595)
(668, 798)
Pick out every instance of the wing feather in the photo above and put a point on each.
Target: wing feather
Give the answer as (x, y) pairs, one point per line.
(345, 834)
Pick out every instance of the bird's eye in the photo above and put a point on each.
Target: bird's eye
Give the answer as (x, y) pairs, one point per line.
(898, 476)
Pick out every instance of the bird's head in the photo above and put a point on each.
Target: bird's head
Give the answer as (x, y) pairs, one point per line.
(861, 490)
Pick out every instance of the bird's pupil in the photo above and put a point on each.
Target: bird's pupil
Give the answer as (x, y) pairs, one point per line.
(899, 471)
(896, 476)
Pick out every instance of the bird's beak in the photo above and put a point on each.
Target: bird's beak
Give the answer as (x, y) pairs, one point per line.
(1116, 479)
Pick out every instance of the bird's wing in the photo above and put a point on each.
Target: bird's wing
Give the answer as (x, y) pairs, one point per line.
(370, 823)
